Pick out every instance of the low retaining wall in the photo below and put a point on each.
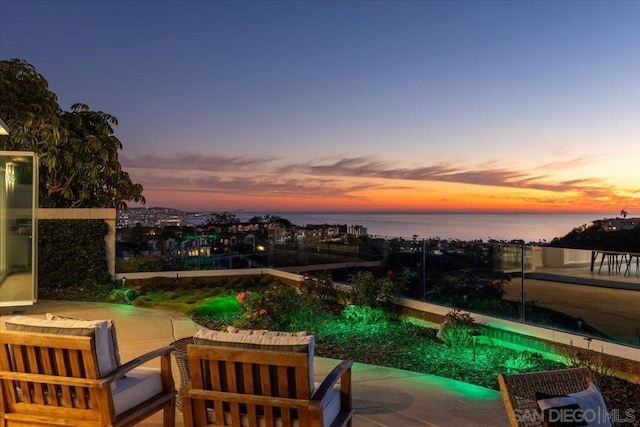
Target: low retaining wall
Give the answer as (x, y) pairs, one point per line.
(139, 278)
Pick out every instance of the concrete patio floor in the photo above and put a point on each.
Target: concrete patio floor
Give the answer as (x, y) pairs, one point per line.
(381, 396)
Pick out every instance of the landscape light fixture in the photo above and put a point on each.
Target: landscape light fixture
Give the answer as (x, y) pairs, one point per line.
(4, 129)
(474, 333)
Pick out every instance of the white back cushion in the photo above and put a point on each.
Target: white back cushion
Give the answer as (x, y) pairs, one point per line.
(106, 348)
(298, 344)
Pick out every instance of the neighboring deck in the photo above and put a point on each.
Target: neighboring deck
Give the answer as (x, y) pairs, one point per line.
(610, 302)
(602, 277)
(382, 396)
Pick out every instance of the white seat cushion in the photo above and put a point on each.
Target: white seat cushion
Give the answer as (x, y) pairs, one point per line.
(333, 407)
(139, 385)
(587, 405)
(330, 412)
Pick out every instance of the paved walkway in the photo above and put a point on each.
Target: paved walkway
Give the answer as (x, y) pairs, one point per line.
(382, 396)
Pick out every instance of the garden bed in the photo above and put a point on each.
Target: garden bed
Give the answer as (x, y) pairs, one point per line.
(362, 336)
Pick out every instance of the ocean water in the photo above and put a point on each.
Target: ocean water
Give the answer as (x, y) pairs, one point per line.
(530, 227)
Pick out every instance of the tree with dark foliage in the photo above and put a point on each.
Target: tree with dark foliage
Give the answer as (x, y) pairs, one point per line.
(77, 149)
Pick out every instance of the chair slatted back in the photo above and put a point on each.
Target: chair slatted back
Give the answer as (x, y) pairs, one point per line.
(47, 374)
(519, 391)
(236, 373)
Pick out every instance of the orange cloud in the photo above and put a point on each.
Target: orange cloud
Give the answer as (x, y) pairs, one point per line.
(367, 183)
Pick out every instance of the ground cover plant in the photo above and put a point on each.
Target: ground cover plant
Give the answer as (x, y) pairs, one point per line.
(367, 332)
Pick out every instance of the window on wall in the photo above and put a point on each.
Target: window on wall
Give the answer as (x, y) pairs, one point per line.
(18, 204)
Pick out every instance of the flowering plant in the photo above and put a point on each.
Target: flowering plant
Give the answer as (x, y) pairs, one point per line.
(242, 296)
(280, 307)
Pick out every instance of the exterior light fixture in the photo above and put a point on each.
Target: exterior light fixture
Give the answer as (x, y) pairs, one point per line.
(474, 333)
(4, 129)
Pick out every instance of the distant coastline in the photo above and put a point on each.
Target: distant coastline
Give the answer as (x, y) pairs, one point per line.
(530, 227)
(242, 212)
(251, 212)
(507, 226)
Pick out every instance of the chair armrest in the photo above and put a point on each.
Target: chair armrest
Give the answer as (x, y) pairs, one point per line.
(88, 382)
(122, 370)
(50, 379)
(330, 380)
(187, 393)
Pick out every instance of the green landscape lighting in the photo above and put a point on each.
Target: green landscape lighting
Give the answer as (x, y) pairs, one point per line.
(124, 309)
(220, 305)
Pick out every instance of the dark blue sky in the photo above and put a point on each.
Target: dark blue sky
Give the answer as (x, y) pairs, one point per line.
(353, 105)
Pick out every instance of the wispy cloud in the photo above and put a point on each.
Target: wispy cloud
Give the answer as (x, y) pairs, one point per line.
(486, 175)
(193, 161)
(344, 177)
(570, 163)
(263, 185)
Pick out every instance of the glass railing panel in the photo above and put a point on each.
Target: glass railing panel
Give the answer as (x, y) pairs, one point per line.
(589, 292)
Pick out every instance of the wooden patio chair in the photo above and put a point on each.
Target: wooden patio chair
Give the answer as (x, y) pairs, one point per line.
(519, 391)
(51, 379)
(243, 384)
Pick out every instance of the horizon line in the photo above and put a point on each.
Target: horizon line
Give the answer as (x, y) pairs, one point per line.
(378, 211)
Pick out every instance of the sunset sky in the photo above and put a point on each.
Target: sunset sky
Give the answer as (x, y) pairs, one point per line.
(355, 105)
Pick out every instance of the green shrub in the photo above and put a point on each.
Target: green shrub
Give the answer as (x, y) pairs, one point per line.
(279, 307)
(122, 296)
(217, 291)
(217, 306)
(375, 292)
(191, 299)
(265, 280)
(460, 318)
(458, 328)
(322, 289)
(157, 284)
(364, 314)
(242, 282)
(142, 301)
(522, 362)
(72, 253)
(168, 296)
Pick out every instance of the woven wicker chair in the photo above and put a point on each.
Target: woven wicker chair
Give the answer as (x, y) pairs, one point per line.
(518, 391)
(180, 354)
